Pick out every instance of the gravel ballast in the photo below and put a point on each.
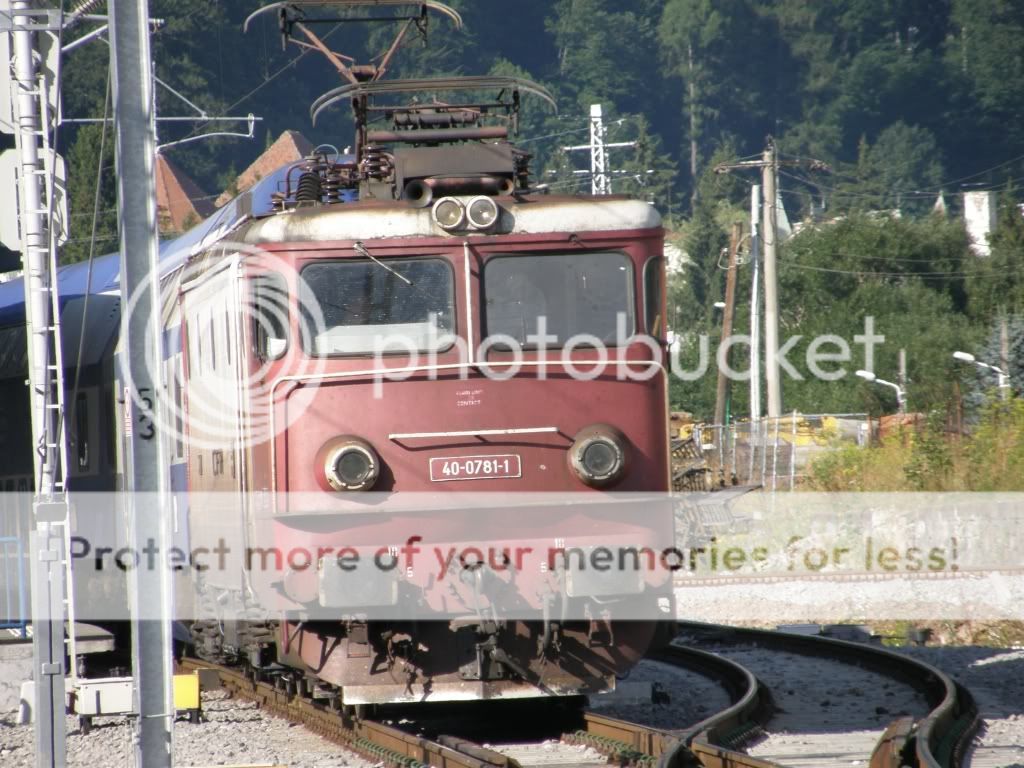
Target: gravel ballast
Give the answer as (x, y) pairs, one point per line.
(233, 732)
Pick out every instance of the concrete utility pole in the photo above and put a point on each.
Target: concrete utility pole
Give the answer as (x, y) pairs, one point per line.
(769, 171)
(145, 470)
(755, 310)
(769, 167)
(902, 374)
(51, 596)
(1004, 357)
(722, 392)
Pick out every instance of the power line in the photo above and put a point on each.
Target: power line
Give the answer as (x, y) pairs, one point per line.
(553, 135)
(291, 63)
(867, 273)
(925, 192)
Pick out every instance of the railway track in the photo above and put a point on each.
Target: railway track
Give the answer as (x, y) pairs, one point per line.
(936, 739)
(374, 740)
(935, 733)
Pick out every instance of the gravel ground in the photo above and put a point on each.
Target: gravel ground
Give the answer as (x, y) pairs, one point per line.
(828, 713)
(236, 733)
(691, 698)
(553, 753)
(995, 677)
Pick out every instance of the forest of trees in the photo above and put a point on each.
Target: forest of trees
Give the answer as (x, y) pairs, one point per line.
(902, 99)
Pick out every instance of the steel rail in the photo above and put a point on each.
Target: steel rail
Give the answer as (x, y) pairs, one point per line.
(938, 740)
(710, 742)
(376, 741)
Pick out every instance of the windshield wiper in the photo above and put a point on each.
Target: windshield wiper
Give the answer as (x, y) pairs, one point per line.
(361, 250)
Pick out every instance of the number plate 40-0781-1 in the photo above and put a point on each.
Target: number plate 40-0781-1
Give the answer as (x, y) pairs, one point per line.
(475, 467)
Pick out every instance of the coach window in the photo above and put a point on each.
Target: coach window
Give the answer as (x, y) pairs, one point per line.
(82, 430)
(227, 337)
(179, 424)
(654, 311)
(270, 317)
(576, 293)
(363, 307)
(213, 342)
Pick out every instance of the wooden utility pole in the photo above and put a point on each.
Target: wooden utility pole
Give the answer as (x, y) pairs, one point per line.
(722, 393)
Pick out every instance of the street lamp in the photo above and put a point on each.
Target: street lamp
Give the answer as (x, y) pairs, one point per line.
(1004, 376)
(901, 396)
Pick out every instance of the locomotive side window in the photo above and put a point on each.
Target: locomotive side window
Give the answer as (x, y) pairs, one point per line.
(361, 307)
(270, 317)
(654, 314)
(577, 293)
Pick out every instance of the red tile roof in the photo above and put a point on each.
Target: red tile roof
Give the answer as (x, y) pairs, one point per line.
(180, 203)
(290, 147)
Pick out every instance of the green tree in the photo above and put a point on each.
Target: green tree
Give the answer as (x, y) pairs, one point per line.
(597, 44)
(907, 275)
(82, 163)
(901, 170)
(696, 38)
(984, 47)
(996, 283)
(649, 172)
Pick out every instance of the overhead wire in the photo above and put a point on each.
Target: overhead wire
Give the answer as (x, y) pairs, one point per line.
(870, 273)
(267, 80)
(922, 192)
(92, 256)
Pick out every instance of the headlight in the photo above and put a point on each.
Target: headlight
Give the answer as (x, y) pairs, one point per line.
(482, 212)
(350, 464)
(448, 213)
(598, 455)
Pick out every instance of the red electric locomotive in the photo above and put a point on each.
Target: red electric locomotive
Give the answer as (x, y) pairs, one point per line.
(422, 400)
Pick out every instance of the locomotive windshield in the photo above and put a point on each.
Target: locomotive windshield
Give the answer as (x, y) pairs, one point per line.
(362, 307)
(577, 293)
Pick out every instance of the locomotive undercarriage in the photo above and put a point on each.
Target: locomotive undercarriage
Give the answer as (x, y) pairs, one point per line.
(379, 662)
(382, 662)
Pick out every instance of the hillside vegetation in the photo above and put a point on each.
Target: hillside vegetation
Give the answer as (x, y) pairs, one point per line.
(902, 99)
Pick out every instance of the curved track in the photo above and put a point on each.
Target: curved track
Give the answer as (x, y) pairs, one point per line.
(937, 739)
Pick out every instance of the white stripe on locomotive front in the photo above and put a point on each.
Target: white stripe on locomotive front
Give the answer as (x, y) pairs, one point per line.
(355, 221)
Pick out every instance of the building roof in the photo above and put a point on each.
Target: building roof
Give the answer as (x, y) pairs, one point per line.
(290, 147)
(180, 203)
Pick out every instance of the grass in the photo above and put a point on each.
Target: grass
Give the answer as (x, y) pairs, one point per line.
(991, 458)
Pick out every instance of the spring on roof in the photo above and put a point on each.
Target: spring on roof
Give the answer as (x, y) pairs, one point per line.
(376, 163)
(309, 189)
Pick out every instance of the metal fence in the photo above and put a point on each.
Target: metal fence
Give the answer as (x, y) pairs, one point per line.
(771, 452)
(13, 597)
